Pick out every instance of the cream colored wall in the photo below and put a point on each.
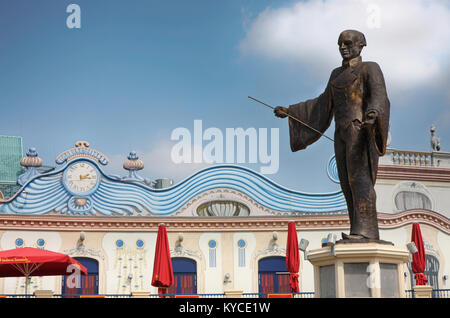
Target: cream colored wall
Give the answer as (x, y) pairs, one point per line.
(213, 275)
(383, 189)
(242, 277)
(128, 260)
(439, 193)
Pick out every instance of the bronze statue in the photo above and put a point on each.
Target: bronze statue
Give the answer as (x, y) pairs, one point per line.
(356, 96)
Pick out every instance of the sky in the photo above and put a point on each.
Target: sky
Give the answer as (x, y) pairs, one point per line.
(135, 71)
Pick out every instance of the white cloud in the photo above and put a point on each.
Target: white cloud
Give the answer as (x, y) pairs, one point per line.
(408, 38)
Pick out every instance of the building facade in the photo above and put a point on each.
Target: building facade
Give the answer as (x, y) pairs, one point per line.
(227, 225)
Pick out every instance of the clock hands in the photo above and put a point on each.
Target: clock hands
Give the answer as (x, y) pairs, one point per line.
(86, 176)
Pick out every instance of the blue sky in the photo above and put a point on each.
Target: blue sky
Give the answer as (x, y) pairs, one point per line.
(136, 70)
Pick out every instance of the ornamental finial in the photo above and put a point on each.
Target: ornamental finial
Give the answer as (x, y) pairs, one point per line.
(31, 162)
(133, 163)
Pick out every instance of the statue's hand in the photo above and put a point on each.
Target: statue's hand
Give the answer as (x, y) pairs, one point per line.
(281, 111)
(371, 117)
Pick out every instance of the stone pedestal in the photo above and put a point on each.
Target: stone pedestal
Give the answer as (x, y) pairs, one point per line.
(359, 270)
(43, 293)
(423, 291)
(140, 294)
(233, 294)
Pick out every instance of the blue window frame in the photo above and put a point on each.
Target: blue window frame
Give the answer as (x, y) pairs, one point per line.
(273, 276)
(185, 276)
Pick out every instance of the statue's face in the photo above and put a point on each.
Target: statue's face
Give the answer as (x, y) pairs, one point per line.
(349, 45)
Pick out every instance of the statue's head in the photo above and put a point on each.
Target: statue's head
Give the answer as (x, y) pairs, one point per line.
(351, 43)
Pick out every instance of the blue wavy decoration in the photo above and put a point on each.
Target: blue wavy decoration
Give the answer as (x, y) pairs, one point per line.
(114, 196)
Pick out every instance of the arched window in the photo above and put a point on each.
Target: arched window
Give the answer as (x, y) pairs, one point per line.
(431, 272)
(409, 200)
(223, 208)
(410, 195)
(185, 276)
(88, 284)
(273, 276)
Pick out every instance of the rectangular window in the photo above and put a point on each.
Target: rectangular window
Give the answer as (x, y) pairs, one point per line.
(241, 257)
(212, 257)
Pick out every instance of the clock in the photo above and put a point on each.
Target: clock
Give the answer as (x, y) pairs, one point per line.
(81, 178)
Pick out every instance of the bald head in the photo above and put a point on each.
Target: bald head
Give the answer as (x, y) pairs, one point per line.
(351, 43)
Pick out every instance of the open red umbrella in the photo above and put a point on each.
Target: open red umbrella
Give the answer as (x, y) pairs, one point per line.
(419, 258)
(292, 257)
(162, 266)
(28, 261)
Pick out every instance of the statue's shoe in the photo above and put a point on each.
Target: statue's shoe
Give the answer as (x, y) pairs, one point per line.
(352, 237)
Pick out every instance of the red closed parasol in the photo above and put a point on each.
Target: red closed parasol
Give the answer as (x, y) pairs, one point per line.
(162, 266)
(292, 257)
(419, 258)
(28, 261)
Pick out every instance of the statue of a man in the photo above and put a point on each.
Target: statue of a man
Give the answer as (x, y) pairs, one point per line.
(356, 96)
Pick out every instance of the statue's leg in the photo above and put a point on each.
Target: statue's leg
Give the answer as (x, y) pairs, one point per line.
(341, 163)
(362, 188)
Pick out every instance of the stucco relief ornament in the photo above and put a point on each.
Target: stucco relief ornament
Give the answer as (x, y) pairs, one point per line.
(82, 250)
(180, 251)
(82, 150)
(273, 248)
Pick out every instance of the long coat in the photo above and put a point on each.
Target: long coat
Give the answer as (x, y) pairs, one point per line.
(351, 92)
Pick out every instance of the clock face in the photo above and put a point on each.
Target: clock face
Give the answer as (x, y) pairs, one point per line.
(81, 178)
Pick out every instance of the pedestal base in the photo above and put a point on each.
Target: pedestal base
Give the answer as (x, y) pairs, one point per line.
(140, 294)
(359, 270)
(43, 293)
(423, 291)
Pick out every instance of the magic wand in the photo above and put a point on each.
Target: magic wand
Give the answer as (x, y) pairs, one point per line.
(294, 118)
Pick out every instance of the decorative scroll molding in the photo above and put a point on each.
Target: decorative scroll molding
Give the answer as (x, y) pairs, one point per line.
(213, 224)
(82, 150)
(271, 250)
(82, 250)
(180, 251)
(398, 172)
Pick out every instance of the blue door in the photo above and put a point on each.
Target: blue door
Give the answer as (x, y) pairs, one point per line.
(88, 284)
(273, 276)
(185, 276)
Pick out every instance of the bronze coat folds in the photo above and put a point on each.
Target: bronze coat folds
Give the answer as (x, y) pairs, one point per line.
(353, 90)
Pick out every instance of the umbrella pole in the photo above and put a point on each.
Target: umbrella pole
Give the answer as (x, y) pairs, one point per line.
(26, 285)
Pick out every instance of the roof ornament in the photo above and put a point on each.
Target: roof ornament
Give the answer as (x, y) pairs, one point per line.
(435, 141)
(31, 162)
(132, 165)
(82, 150)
